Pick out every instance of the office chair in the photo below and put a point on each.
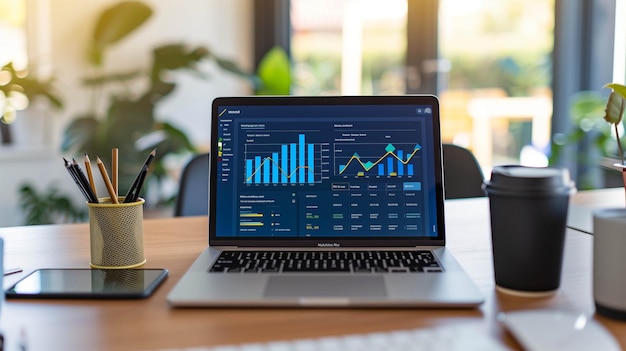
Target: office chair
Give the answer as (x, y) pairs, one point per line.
(462, 175)
(193, 190)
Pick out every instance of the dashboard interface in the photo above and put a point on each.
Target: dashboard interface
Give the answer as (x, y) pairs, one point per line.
(330, 171)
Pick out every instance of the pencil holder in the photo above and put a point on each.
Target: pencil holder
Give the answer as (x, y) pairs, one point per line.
(116, 234)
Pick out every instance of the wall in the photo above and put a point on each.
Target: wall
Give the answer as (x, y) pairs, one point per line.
(223, 26)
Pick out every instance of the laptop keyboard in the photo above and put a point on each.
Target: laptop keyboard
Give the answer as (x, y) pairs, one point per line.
(326, 261)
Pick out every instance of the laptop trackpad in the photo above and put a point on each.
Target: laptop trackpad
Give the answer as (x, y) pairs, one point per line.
(326, 286)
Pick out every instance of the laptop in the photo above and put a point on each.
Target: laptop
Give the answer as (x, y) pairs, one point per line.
(326, 202)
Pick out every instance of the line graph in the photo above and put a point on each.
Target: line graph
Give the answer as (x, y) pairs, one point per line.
(360, 159)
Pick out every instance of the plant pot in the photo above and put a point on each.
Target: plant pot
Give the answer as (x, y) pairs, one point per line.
(622, 168)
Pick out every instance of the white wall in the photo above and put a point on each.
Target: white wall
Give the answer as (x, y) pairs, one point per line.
(225, 27)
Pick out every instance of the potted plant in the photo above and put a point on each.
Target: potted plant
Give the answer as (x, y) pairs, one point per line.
(595, 139)
(48, 206)
(130, 121)
(614, 113)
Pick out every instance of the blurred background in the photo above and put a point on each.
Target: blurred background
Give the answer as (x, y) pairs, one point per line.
(519, 81)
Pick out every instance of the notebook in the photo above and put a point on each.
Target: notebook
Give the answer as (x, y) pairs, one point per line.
(326, 202)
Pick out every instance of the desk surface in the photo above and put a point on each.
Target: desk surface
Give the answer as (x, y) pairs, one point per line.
(580, 215)
(174, 243)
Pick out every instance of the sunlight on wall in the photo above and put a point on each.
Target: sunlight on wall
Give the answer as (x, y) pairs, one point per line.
(13, 32)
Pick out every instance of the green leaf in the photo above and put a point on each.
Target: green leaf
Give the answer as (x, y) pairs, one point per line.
(585, 105)
(32, 87)
(127, 120)
(614, 108)
(618, 88)
(275, 73)
(120, 20)
(114, 24)
(80, 134)
(48, 206)
(122, 77)
(232, 67)
(177, 140)
(176, 56)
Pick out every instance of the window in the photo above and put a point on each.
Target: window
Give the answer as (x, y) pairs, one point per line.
(489, 61)
(348, 47)
(496, 98)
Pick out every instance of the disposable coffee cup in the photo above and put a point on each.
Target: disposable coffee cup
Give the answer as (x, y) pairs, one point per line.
(528, 210)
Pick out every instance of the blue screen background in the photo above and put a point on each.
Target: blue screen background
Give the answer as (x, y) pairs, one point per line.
(325, 171)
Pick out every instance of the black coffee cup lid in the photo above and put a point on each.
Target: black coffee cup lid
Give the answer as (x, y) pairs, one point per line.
(515, 179)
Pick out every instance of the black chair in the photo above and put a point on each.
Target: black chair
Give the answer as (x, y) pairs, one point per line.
(193, 191)
(462, 175)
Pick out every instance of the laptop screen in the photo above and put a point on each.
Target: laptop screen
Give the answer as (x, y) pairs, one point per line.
(326, 170)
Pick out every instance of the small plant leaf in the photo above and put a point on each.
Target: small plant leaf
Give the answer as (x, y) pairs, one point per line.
(614, 108)
(618, 88)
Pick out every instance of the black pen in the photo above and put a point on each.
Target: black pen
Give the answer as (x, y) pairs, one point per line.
(84, 181)
(74, 176)
(137, 189)
(133, 193)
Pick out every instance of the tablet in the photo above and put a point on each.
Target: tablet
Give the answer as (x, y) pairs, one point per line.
(88, 283)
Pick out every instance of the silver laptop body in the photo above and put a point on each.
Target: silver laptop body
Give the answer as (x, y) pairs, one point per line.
(296, 176)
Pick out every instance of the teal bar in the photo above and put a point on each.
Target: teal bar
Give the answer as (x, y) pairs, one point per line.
(284, 163)
(257, 169)
(301, 159)
(292, 163)
(311, 162)
(266, 171)
(249, 169)
(274, 167)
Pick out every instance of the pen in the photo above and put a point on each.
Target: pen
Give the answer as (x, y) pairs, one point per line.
(107, 181)
(133, 193)
(74, 176)
(83, 180)
(90, 175)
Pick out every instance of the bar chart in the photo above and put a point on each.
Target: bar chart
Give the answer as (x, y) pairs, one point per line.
(361, 159)
(297, 162)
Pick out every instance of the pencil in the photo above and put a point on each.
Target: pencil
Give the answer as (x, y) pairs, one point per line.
(92, 183)
(107, 181)
(114, 169)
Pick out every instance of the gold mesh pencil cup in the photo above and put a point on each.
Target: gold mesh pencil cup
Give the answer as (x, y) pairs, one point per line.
(116, 234)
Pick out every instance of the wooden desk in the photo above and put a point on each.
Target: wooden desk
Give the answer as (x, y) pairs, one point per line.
(581, 207)
(174, 243)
